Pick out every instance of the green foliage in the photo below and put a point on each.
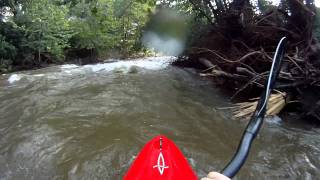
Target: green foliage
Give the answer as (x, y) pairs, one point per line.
(37, 26)
(263, 5)
(48, 29)
(93, 25)
(12, 40)
(7, 50)
(132, 17)
(107, 24)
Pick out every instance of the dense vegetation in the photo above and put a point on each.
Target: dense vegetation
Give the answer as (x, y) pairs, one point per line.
(34, 32)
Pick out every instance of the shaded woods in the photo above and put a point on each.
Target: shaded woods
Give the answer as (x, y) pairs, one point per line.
(237, 49)
(34, 33)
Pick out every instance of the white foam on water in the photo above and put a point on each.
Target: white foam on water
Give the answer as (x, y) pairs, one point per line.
(273, 119)
(125, 66)
(17, 77)
(69, 66)
(14, 77)
(150, 64)
(39, 75)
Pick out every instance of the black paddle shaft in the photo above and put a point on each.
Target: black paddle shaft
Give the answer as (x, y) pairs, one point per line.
(257, 118)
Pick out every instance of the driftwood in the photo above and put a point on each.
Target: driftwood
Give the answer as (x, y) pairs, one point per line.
(245, 110)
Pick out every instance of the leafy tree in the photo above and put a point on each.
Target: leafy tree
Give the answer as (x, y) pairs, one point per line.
(132, 15)
(47, 29)
(105, 24)
(7, 52)
(93, 25)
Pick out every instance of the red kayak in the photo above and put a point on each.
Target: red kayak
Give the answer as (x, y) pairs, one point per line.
(160, 159)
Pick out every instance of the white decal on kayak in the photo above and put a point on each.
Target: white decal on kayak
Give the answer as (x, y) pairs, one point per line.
(161, 164)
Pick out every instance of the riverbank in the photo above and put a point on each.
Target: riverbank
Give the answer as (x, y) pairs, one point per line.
(236, 52)
(77, 59)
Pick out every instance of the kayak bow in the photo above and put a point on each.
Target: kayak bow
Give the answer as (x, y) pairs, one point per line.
(160, 159)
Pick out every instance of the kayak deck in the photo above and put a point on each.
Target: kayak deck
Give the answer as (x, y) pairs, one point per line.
(160, 159)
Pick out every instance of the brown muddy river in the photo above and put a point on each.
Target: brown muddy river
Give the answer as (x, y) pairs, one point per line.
(89, 122)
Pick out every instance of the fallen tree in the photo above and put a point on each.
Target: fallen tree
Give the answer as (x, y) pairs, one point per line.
(238, 49)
